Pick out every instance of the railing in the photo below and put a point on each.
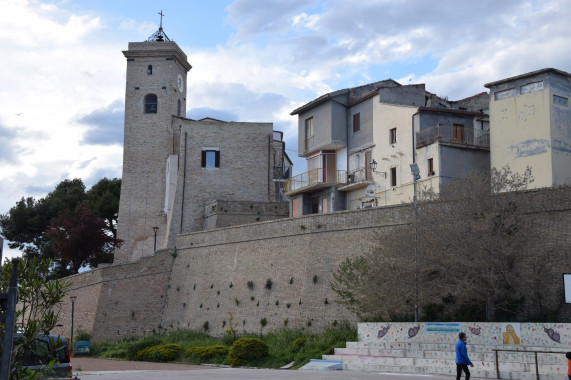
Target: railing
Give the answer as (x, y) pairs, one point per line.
(453, 133)
(536, 363)
(315, 177)
(357, 175)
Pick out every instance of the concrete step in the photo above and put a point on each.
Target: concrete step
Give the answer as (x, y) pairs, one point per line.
(323, 365)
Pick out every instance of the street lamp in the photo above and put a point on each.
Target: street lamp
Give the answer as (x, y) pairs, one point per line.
(374, 168)
(416, 175)
(72, 298)
(155, 229)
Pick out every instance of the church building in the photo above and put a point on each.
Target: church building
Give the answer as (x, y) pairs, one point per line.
(178, 172)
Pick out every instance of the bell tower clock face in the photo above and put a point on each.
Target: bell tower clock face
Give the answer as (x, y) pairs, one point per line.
(180, 83)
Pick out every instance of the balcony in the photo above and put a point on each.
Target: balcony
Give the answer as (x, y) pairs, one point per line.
(314, 179)
(357, 179)
(454, 134)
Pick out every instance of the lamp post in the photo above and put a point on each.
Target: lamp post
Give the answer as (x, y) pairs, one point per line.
(416, 175)
(72, 298)
(156, 230)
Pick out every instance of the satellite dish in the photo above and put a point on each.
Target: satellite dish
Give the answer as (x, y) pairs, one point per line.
(371, 191)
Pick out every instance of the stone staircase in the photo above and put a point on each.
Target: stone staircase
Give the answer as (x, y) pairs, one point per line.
(439, 358)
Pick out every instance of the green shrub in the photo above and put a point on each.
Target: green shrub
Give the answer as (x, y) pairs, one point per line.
(159, 353)
(206, 353)
(297, 344)
(246, 350)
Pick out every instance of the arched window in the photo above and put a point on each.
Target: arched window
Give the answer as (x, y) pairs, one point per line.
(151, 103)
(150, 70)
(178, 108)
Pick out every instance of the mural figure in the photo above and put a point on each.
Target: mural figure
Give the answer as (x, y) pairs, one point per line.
(475, 330)
(413, 331)
(510, 335)
(383, 331)
(553, 335)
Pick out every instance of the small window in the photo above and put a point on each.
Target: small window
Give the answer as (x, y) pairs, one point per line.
(210, 159)
(309, 128)
(560, 100)
(393, 176)
(150, 70)
(393, 136)
(308, 133)
(532, 87)
(499, 95)
(151, 103)
(430, 167)
(178, 108)
(356, 122)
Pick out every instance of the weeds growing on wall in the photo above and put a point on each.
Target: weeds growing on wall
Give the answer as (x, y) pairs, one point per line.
(282, 350)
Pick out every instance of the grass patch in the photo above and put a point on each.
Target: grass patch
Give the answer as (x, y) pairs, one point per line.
(281, 349)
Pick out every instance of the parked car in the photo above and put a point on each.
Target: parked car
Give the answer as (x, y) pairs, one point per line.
(45, 349)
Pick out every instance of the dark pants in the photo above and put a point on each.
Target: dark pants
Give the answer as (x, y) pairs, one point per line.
(460, 368)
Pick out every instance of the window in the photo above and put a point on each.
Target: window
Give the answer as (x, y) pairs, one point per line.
(151, 103)
(393, 176)
(356, 122)
(210, 158)
(308, 133)
(393, 136)
(150, 70)
(532, 87)
(309, 128)
(178, 107)
(560, 100)
(430, 167)
(499, 95)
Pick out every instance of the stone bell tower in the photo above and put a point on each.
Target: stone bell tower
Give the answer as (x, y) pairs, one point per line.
(155, 91)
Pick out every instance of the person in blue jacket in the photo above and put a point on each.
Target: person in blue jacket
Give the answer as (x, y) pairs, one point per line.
(462, 359)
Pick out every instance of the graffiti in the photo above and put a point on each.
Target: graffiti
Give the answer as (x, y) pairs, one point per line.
(413, 331)
(532, 147)
(554, 336)
(383, 331)
(475, 330)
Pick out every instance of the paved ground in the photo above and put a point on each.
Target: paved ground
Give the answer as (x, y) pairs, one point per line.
(101, 369)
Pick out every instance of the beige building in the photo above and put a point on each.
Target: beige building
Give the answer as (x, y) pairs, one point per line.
(360, 142)
(175, 170)
(531, 125)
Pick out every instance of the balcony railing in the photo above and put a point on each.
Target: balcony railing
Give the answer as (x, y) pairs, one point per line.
(453, 133)
(315, 178)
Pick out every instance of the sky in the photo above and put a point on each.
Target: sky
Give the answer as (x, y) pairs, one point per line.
(62, 79)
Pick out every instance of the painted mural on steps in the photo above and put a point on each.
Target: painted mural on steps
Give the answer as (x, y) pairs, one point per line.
(553, 335)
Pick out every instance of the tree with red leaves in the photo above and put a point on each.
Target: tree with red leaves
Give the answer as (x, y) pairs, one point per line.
(81, 238)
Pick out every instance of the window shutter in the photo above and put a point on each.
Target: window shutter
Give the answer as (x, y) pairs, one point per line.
(203, 158)
(217, 159)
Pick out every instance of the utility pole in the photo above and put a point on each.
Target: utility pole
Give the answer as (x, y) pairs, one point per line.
(8, 302)
(416, 175)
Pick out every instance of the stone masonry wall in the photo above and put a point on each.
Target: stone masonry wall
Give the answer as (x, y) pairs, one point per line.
(221, 214)
(120, 300)
(209, 275)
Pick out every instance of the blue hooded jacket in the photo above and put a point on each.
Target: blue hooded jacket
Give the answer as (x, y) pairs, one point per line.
(462, 353)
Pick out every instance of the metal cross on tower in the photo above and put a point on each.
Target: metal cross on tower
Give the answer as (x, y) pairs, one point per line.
(161, 24)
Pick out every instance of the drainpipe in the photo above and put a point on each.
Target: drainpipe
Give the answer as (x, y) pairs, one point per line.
(413, 139)
(269, 162)
(183, 183)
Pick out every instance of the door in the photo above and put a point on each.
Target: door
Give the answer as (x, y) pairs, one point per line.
(458, 132)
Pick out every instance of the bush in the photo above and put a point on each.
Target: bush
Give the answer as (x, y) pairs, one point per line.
(159, 353)
(82, 335)
(207, 353)
(246, 350)
(297, 344)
